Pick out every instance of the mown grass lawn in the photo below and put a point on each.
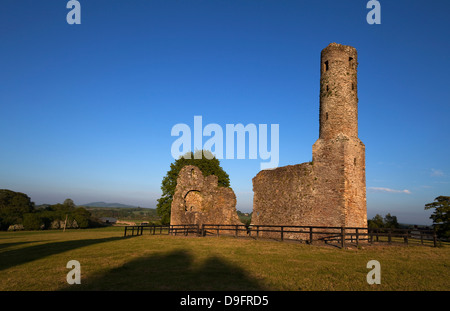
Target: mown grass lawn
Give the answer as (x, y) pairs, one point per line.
(37, 261)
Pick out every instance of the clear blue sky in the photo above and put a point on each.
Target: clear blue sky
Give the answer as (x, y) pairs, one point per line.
(86, 111)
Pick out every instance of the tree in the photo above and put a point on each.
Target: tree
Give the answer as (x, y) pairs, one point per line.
(387, 222)
(82, 217)
(35, 221)
(391, 221)
(440, 215)
(69, 203)
(376, 222)
(13, 205)
(207, 163)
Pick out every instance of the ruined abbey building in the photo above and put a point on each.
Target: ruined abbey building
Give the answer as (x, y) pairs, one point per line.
(199, 200)
(330, 190)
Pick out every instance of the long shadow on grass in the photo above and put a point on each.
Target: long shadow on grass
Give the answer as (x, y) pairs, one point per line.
(23, 255)
(171, 272)
(6, 245)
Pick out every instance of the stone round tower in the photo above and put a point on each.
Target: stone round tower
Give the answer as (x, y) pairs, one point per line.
(330, 190)
(338, 92)
(338, 154)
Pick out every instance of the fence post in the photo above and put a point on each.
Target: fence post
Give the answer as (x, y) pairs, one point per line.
(236, 233)
(406, 237)
(125, 234)
(389, 236)
(217, 230)
(257, 231)
(357, 237)
(434, 237)
(421, 237)
(342, 237)
(310, 235)
(281, 231)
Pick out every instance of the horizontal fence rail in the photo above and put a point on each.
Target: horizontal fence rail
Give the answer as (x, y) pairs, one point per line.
(307, 234)
(392, 235)
(161, 229)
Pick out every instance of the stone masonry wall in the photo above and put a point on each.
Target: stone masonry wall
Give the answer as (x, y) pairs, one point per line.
(199, 200)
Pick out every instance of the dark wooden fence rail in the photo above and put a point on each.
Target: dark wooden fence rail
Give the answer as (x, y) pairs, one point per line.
(390, 235)
(308, 234)
(161, 229)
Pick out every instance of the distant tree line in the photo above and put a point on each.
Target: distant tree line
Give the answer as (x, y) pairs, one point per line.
(16, 209)
(245, 218)
(138, 213)
(440, 218)
(388, 221)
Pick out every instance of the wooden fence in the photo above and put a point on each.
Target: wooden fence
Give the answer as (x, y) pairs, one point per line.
(162, 229)
(407, 236)
(308, 234)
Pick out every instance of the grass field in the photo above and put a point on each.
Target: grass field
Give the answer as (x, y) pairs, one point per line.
(35, 261)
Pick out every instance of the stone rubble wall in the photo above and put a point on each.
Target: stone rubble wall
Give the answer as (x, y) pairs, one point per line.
(199, 200)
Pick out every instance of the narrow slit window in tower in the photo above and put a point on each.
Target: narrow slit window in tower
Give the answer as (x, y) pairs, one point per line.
(328, 88)
(354, 161)
(350, 62)
(353, 86)
(325, 66)
(326, 116)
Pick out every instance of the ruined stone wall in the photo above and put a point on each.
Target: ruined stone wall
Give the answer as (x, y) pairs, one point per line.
(298, 195)
(199, 200)
(330, 190)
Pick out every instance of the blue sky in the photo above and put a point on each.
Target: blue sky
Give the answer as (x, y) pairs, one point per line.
(86, 111)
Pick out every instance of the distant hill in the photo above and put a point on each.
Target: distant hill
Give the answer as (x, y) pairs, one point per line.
(104, 204)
